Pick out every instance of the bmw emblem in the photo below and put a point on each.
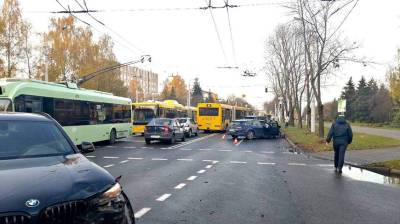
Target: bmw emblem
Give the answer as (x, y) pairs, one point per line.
(31, 203)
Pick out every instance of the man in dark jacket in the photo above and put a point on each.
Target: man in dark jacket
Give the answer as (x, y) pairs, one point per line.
(342, 136)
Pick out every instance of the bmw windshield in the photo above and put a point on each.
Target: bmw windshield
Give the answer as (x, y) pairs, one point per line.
(21, 139)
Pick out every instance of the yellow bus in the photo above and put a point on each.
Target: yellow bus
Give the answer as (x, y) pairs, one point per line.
(217, 116)
(143, 112)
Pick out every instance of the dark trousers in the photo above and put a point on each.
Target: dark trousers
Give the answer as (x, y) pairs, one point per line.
(340, 150)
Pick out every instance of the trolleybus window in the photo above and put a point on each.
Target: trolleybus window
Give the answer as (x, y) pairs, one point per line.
(203, 111)
(5, 105)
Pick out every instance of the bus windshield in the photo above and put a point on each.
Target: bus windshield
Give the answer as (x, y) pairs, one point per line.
(5, 105)
(143, 115)
(204, 111)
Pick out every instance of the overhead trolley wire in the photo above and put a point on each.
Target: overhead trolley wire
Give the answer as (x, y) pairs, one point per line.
(230, 30)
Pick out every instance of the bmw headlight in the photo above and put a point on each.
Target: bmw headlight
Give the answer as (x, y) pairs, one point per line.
(111, 199)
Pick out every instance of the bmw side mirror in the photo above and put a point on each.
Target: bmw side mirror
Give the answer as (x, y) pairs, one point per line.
(87, 147)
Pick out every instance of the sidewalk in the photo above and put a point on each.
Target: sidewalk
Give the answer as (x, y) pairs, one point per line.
(374, 131)
(363, 157)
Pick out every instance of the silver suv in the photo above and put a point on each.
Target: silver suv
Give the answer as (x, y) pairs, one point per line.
(190, 126)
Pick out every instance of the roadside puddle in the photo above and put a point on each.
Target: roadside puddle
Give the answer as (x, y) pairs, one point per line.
(369, 176)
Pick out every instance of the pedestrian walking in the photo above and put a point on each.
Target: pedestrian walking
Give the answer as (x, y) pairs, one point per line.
(342, 136)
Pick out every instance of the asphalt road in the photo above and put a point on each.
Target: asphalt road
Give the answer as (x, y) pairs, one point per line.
(213, 180)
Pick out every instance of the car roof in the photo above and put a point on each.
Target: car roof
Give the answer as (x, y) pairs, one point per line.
(12, 116)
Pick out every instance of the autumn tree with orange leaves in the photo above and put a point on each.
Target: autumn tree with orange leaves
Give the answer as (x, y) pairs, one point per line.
(175, 89)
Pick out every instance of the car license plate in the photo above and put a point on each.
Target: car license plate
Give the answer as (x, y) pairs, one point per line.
(232, 130)
(155, 136)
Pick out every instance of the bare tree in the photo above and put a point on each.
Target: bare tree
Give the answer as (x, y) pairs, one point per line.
(324, 48)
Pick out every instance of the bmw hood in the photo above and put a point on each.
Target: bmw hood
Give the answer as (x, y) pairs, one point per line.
(31, 184)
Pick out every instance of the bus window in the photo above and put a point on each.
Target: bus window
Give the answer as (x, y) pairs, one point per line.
(143, 115)
(203, 111)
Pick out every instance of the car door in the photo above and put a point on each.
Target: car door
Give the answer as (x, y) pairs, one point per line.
(258, 128)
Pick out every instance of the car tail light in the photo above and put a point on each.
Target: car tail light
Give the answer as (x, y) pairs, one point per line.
(166, 129)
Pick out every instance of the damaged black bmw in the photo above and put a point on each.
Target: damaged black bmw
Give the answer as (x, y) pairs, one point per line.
(45, 179)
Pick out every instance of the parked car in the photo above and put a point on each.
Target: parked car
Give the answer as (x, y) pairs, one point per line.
(251, 129)
(45, 179)
(165, 130)
(190, 126)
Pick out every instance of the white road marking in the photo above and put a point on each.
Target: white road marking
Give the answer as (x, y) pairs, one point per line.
(267, 152)
(241, 162)
(215, 161)
(158, 159)
(164, 148)
(180, 186)
(287, 153)
(109, 146)
(201, 171)
(163, 197)
(262, 163)
(186, 149)
(297, 164)
(192, 178)
(208, 160)
(135, 158)
(205, 149)
(141, 212)
(110, 165)
(124, 161)
(129, 147)
(144, 147)
(208, 166)
(325, 165)
(225, 150)
(111, 157)
(91, 156)
(184, 159)
(247, 151)
(240, 142)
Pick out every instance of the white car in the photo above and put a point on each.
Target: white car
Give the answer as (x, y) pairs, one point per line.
(190, 126)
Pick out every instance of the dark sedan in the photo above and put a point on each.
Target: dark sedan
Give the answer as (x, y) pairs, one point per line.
(251, 129)
(165, 130)
(44, 178)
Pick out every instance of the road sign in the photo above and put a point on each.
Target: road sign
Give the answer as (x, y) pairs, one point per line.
(341, 106)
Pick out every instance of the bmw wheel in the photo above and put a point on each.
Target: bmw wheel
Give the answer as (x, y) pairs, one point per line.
(250, 135)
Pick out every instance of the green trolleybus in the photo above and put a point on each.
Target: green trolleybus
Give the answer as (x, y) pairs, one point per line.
(86, 115)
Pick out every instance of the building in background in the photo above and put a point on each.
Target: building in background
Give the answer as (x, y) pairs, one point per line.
(147, 82)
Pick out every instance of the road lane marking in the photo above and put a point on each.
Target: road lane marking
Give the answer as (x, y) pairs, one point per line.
(144, 147)
(239, 162)
(297, 164)
(124, 161)
(263, 163)
(325, 165)
(215, 161)
(201, 171)
(192, 141)
(129, 147)
(247, 151)
(240, 142)
(208, 166)
(109, 146)
(186, 149)
(135, 158)
(159, 159)
(208, 160)
(180, 186)
(141, 212)
(111, 157)
(164, 148)
(91, 156)
(184, 159)
(163, 197)
(192, 178)
(268, 152)
(205, 149)
(225, 150)
(110, 165)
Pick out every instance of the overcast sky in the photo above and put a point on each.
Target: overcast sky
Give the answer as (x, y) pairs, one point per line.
(185, 41)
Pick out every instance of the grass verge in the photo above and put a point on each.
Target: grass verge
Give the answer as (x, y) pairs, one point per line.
(391, 164)
(310, 141)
